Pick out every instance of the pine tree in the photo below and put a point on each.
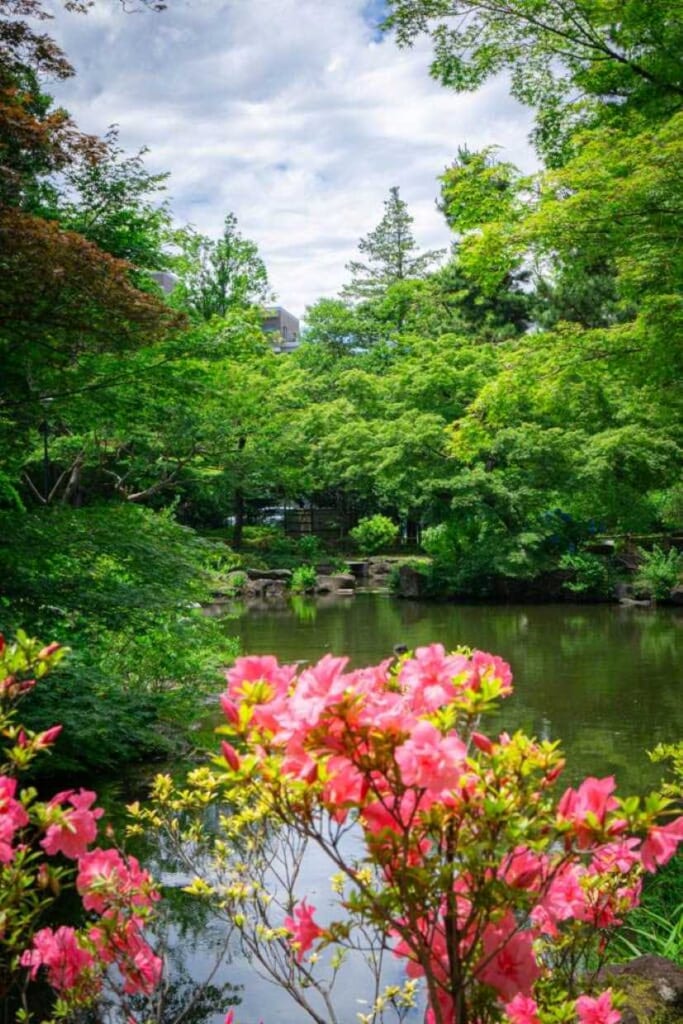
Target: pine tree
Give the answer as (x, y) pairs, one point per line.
(391, 252)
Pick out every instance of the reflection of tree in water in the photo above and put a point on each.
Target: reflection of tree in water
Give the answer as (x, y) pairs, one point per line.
(661, 636)
(303, 608)
(185, 1001)
(188, 930)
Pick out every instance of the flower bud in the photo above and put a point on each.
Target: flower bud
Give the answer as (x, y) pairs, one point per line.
(230, 755)
(47, 651)
(47, 738)
(482, 742)
(229, 709)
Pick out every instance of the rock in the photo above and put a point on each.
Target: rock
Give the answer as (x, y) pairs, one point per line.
(255, 588)
(265, 590)
(623, 592)
(653, 987)
(275, 589)
(380, 568)
(333, 584)
(676, 594)
(359, 569)
(411, 582)
(269, 574)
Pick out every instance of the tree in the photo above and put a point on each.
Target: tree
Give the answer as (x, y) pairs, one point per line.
(219, 275)
(35, 138)
(611, 55)
(113, 202)
(64, 302)
(391, 253)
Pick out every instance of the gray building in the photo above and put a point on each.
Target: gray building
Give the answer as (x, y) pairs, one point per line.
(283, 329)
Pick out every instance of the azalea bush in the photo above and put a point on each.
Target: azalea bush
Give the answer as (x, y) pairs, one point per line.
(450, 848)
(47, 848)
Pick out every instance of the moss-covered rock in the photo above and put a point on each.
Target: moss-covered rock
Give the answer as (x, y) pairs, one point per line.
(653, 989)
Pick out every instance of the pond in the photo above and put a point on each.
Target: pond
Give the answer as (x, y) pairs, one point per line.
(604, 679)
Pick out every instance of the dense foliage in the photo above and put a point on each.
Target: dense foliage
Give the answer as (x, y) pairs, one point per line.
(512, 404)
(46, 853)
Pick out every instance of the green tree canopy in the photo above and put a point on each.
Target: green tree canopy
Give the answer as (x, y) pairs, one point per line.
(391, 253)
(218, 275)
(572, 61)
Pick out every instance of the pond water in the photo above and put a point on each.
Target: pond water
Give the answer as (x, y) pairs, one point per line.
(604, 679)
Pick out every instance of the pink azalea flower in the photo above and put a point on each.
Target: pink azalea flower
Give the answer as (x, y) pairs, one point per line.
(344, 785)
(256, 668)
(430, 760)
(587, 807)
(489, 666)
(104, 878)
(297, 762)
(140, 967)
(661, 844)
(566, 897)
(12, 817)
(60, 952)
(303, 928)
(371, 679)
(508, 963)
(597, 1011)
(121, 942)
(522, 1010)
(318, 687)
(428, 677)
(620, 856)
(386, 711)
(392, 812)
(543, 922)
(523, 869)
(78, 827)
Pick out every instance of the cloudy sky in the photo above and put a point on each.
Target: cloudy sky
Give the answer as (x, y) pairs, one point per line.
(296, 115)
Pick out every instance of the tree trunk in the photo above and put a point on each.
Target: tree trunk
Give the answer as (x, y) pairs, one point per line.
(240, 506)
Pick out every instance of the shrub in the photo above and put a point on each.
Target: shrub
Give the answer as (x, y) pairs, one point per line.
(461, 564)
(264, 538)
(121, 586)
(304, 578)
(658, 572)
(462, 859)
(374, 533)
(591, 574)
(310, 547)
(46, 850)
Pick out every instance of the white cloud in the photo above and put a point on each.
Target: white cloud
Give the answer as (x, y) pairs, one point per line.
(289, 113)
